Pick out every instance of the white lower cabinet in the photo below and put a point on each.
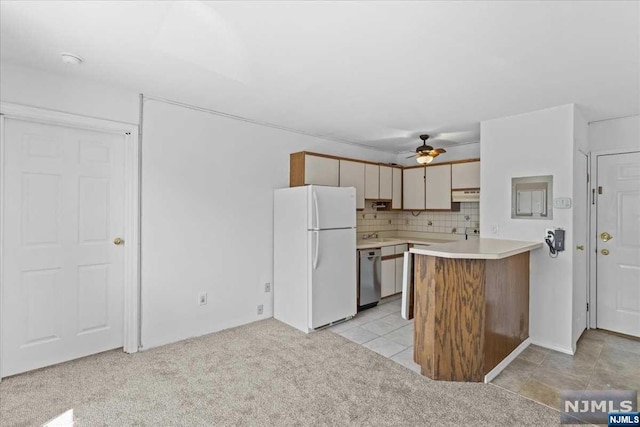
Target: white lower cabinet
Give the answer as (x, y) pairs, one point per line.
(388, 276)
(392, 269)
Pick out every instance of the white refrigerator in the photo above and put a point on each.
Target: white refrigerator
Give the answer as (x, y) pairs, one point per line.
(314, 266)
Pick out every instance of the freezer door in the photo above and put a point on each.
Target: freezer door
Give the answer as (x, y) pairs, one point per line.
(331, 207)
(332, 271)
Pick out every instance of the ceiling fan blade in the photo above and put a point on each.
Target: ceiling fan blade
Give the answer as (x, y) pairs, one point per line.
(411, 156)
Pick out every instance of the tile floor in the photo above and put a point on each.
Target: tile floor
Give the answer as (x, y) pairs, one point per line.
(603, 360)
(382, 330)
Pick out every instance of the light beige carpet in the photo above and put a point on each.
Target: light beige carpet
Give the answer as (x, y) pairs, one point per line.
(262, 374)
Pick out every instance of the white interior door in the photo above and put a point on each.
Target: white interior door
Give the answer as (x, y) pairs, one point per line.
(618, 257)
(63, 276)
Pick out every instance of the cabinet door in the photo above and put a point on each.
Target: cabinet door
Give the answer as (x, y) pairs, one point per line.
(400, 250)
(352, 175)
(386, 182)
(465, 175)
(372, 181)
(396, 197)
(388, 285)
(321, 170)
(438, 187)
(413, 193)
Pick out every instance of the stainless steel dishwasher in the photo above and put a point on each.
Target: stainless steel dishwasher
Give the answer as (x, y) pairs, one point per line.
(369, 279)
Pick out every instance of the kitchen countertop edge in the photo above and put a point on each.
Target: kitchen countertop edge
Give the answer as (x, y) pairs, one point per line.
(401, 241)
(482, 248)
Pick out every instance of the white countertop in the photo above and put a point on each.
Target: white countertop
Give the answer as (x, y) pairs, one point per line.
(391, 241)
(479, 249)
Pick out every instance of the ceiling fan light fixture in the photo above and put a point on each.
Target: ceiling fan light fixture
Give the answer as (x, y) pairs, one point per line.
(424, 159)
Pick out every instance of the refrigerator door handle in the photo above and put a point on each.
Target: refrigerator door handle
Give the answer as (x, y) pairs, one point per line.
(316, 255)
(315, 208)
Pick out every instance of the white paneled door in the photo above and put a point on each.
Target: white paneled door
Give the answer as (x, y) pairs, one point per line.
(63, 273)
(618, 243)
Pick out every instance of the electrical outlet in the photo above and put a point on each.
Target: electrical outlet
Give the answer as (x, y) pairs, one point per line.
(202, 298)
(260, 309)
(548, 233)
(267, 287)
(495, 229)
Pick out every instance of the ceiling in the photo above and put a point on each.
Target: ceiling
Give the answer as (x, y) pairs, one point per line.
(374, 73)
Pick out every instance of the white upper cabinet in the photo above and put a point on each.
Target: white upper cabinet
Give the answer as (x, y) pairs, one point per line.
(386, 183)
(352, 175)
(396, 196)
(413, 189)
(372, 181)
(465, 175)
(321, 170)
(438, 187)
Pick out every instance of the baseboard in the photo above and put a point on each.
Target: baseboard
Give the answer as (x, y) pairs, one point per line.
(505, 362)
(554, 347)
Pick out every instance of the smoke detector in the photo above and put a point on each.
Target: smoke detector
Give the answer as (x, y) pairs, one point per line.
(70, 58)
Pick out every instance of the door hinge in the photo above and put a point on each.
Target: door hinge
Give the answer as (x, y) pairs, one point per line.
(593, 196)
(600, 189)
(587, 306)
(588, 177)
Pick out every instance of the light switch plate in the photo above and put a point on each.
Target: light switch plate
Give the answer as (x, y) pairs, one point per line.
(562, 203)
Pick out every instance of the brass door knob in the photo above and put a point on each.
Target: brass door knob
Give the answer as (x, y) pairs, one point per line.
(580, 247)
(605, 237)
(118, 241)
(605, 252)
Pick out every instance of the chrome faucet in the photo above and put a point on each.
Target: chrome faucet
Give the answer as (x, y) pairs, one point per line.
(370, 235)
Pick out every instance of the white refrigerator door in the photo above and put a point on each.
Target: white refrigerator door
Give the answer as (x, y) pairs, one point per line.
(331, 207)
(332, 271)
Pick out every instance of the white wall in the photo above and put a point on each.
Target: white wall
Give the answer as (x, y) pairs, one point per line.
(615, 134)
(537, 143)
(207, 200)
(68, 94)
(580, 227)
(207, 217)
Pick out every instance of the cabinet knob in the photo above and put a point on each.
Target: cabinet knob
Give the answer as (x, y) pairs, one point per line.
(118, 241)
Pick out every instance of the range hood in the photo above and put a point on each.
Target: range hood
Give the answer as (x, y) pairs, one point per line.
(465, 195)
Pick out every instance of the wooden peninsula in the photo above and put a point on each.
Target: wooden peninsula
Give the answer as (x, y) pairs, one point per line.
(471, 306)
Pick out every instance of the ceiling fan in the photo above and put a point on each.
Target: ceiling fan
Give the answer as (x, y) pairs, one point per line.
(426, 153)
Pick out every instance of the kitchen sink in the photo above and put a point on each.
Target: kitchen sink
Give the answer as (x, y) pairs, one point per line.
(379, 240)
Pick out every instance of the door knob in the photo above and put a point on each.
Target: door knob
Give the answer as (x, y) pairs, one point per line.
(118, 241)
(580, 247)
(605, 252)
(605, 237)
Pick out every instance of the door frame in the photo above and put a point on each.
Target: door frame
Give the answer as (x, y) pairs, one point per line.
(131, 203)
(592, 295)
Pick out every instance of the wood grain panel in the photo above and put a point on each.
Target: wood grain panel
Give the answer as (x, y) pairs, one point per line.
(507, 307)
(450, 309)
(424, 308)
(469, 314)
(296, 169)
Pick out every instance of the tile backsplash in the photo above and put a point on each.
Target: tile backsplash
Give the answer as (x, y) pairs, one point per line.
(370, 220)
